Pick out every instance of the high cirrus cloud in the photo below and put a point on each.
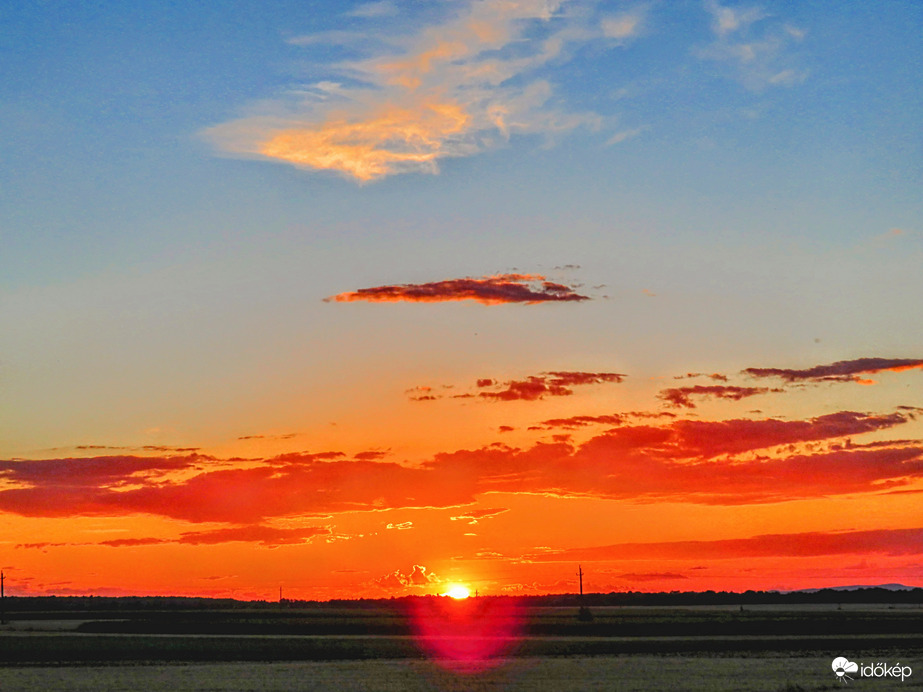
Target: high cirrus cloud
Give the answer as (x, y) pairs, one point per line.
(683, 461)
(462, 84)
(489, 290)
(475, 75)
(841, 371)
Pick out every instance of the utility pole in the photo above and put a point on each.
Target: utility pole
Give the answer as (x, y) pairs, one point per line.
(583, 614)
(2, 599)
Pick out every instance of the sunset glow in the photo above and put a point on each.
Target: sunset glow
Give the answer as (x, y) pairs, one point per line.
(393, 299)
(457, 591)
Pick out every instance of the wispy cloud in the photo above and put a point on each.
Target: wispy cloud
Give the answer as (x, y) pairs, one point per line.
(473, 516)
(573, 422)
(453, 88)
(754, 45)
(681, 397)
(809, 544)
(729, 20)
(263, 535)
(841, 371)
(374, 10)
(620, 137)
(488, 290)
(546, 384)
(624, 25)
(533, 387)
(475, 75)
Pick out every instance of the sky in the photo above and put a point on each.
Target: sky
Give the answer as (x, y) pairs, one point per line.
(367, 299)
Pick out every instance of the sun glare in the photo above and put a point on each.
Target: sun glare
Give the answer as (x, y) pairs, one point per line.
(457, 591)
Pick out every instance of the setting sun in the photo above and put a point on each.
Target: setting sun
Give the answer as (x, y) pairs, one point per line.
(458, 592)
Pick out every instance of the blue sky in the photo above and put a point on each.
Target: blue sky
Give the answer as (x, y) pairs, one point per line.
(732, 185)
(104, 107)
(782, 187)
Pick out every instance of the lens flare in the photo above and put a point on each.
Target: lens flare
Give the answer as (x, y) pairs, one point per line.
(466, 635)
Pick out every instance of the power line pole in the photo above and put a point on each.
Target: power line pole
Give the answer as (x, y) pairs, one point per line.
(583, 614)
(2, 599)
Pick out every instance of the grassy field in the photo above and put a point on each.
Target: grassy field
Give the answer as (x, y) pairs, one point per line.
(381, 648)
(759, 673)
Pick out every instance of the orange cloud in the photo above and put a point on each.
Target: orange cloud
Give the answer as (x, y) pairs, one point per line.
(449, 90)
(684, 461)
(488, 290)
(392, 141)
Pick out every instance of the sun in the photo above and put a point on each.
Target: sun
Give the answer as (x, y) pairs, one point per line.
(457, 591)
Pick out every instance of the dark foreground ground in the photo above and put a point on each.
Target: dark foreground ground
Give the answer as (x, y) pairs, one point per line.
(467, 645)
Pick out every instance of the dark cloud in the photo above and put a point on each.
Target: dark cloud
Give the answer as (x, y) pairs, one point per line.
(371, 456)
(583, 421)
(880, 541)
(841, 371)
(546, 384)
(91, 472)
(133, 542)
(165, 448)
(263, 535)
(718, 377)
(557, 383)
(489, 290)
(681, 397)
(709, 439)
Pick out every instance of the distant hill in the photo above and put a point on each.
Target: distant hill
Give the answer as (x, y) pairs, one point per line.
(857, 587)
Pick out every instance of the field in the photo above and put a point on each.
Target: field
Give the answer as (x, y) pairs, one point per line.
(473, 646)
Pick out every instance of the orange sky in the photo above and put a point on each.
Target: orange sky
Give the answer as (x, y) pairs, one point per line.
(366, 299)
(664, 498)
